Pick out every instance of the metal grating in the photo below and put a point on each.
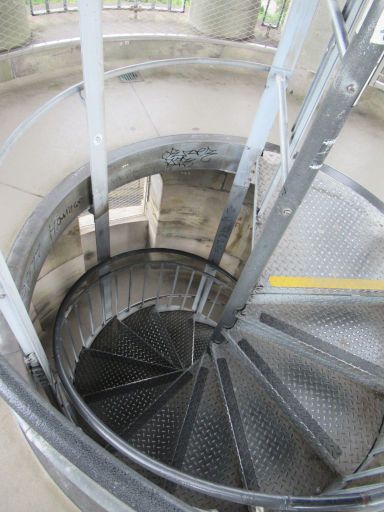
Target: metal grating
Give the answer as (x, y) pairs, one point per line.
(133, 76)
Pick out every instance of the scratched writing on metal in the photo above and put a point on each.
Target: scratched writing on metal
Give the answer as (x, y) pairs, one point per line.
(31, 271)
(58, 220)
(186, 158)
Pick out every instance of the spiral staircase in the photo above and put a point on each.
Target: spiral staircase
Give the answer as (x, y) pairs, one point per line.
(174, 386)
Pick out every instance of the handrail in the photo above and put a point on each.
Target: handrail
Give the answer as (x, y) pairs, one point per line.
(121, 285)
(137, 36)
(77, 88)
(348, 500)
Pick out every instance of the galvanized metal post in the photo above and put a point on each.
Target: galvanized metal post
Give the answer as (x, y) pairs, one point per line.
(338, 26)
(14, 312)
(351, 13)
(295, 31)
(93, 73)
(356, 69)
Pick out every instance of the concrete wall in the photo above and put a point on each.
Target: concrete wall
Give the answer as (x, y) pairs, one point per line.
(185, 209)
(64, 265)
(127, 236)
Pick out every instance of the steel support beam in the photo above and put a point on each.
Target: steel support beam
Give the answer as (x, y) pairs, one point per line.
(295, 31)
(93, 74)
(354, 73)
(14, 312)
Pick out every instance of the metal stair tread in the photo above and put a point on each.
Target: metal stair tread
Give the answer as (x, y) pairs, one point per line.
(333, 330)
(248, 469)
(119, 339)
(348, 412)
(323, 235)
(284, 462)
(148, 323)
(210, 452)
(96, 371)
(203, 333)
(156, 431)
(118, 409)
(180, 326)
(315, 349)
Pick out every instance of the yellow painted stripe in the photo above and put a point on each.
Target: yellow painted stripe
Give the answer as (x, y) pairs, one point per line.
(326, 282)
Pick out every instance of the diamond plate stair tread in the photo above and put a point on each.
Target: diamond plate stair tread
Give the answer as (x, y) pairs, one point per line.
(335, 233)
(148, 324)
(246, 463)
(315, 348)
(284, 462)
(348, 412)
(158, 433)
(357, 329)
(203, 335)
(210, 452)
(97, 371)
(180, 326)
(122, 406)
(118, 339)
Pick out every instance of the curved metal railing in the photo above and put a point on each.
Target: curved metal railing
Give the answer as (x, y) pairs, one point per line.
(169, 279)
(173, 280)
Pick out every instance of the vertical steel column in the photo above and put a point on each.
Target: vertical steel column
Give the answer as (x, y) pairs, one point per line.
(295, 31)
(357, 66)
(14, 312)
(93, 74)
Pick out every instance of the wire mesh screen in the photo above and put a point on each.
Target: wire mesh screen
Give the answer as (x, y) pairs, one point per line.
(52, 6)
(241, 20)
(14, 24)
(125, 202)
(131, 194)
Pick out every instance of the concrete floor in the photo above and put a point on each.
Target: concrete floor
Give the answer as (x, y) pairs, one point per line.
(188, 100)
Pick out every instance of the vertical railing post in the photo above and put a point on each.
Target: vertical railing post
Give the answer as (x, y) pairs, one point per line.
(299, 18)
(93, 74)
(17, 317)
